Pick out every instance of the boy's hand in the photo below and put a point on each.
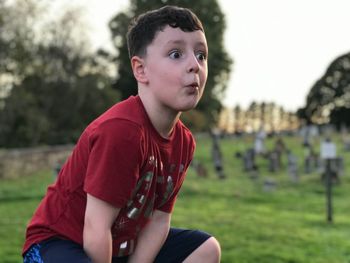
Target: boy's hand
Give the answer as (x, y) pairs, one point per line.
(151, 238)
(97, 237)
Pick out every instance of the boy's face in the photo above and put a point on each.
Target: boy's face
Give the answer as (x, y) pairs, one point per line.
(176, 68)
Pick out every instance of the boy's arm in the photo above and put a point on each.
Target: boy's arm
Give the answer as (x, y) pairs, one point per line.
(151, 238)
(97, 237)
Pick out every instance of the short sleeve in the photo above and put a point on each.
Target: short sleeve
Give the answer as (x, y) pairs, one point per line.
(115, 156)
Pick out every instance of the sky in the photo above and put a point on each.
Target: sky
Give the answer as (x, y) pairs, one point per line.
(280, 48)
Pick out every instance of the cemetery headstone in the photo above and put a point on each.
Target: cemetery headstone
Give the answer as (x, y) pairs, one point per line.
(254, 174)
(200, 169)
(340, 166)
(249, 165)
(280, 148)
(292, 167)
(273, 157)
(259, 143)
(346, 143)
(345, 138)
(311, 160)
(56, 169)
(217, 159)
(269, 185)
(328, 154)
(249, 160)
(305, 134)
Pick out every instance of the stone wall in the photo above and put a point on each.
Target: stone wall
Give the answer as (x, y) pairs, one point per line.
(23, 162)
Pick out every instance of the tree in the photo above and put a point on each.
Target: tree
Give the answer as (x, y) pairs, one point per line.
(58, 87)
(329, 98)
(210, 14)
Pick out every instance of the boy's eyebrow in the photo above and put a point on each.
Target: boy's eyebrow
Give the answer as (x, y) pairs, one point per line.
(202, 44)
(182, 42)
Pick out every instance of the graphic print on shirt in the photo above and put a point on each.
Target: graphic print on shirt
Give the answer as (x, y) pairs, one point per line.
(169, 184)
(168, 190)
(157, 184)
(140, 198)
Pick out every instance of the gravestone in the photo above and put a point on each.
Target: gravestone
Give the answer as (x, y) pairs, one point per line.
(328, 154)
(249, 160)
(200, 169)
(279, 148)
(308, 167)
(346, 143)
(305, 134)
(254, 174)
(259, 143)
(273, 158)
(311, 160)
(217, 158)
(269, 185)
(56, 169)
(340, 165)
(292, 167)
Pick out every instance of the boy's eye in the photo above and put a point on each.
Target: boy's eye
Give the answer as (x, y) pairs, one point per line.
(175, 54)
(201, 56)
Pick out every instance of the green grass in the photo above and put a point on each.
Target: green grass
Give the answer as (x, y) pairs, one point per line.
(18, 200)
(285, 225)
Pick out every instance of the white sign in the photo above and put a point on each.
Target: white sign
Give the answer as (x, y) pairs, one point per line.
(328, 150)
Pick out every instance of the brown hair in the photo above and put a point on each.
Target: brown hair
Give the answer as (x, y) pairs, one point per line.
(143, 29)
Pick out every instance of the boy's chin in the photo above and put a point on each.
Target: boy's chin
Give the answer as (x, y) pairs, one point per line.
(188, 107)
(186, 104)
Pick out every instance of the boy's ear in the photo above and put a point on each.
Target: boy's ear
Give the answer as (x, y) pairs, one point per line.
(138, 68)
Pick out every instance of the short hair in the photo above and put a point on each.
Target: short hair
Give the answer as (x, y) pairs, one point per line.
(143, 29)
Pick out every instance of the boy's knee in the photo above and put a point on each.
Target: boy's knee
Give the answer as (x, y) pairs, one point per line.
(208, 252)
(214, 249)
(211, 250)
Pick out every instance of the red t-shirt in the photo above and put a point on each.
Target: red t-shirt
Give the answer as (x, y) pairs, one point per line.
(120, 158)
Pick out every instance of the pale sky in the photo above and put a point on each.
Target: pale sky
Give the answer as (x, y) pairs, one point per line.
(279, 47)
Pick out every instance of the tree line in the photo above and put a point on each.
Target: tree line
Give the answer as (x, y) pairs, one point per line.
(328, 100)
(270, 117)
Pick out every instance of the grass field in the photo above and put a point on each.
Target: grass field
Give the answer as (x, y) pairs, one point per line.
(287, 224)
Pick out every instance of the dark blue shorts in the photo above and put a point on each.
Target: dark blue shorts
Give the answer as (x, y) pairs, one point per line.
(178, 246)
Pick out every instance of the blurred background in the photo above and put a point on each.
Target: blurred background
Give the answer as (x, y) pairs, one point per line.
(64, 62)
(278, 87)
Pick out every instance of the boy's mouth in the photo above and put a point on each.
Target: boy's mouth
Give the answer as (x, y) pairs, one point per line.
(193, 87)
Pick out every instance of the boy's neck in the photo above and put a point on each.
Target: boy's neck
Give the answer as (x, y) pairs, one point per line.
(162, 120)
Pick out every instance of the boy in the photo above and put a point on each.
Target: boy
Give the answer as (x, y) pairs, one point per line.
(113, 198)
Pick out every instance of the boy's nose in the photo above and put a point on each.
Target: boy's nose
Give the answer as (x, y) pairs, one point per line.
(193, 64)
